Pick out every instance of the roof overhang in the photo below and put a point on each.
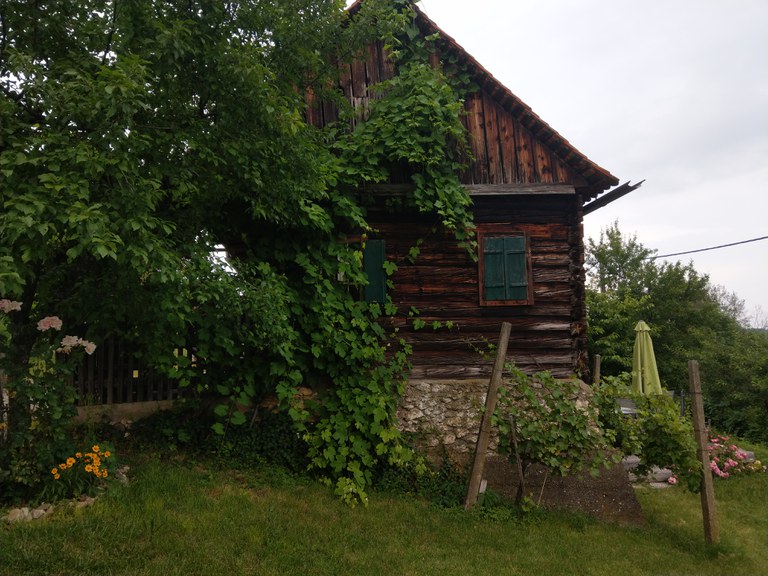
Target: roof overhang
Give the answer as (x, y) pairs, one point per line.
(610, 196)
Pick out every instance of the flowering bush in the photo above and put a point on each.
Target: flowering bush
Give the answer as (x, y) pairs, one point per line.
(79, 474)
(37, 399)
(725, 458)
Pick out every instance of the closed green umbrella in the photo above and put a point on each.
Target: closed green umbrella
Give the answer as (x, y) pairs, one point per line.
(645, 374)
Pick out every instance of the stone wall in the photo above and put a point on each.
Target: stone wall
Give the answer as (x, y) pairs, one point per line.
(443, 416)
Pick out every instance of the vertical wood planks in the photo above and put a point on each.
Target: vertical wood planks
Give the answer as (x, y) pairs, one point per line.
(493, 141)
(476, 127)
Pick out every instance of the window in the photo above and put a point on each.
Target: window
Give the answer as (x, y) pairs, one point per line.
(374, 256)
(505, 270)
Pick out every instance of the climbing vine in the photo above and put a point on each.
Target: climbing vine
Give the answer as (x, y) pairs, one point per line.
(414, 123)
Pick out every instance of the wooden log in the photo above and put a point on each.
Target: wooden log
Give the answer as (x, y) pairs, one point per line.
(708, 506)
(483, 439)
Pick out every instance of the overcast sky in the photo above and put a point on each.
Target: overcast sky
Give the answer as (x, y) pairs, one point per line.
(671, 91)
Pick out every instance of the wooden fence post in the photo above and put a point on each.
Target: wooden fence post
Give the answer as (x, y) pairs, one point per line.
(596, 371)
(708, 507)
(476, 476)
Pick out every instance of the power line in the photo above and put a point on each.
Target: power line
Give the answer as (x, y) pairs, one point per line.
(706, 249)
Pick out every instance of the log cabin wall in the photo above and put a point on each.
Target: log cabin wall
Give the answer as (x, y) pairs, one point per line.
(442, 283)
(527, 178)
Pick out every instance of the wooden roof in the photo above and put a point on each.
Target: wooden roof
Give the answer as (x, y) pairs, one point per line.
(541, 154)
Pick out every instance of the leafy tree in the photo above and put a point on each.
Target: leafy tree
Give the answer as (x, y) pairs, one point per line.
(617, 264)
(137, 137)
(689, 319)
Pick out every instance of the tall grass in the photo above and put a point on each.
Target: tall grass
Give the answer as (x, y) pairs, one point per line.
(187, 519)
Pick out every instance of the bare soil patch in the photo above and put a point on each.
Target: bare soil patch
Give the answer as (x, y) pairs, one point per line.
(609, 497)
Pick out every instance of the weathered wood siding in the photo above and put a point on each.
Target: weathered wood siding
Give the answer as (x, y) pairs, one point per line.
(509, 143)
(511, 147)
(442, 284)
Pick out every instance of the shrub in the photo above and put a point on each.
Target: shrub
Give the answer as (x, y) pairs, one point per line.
(547, 421)
(657, 433)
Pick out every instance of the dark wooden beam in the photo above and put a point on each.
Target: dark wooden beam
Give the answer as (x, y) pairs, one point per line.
(484, 189)
(610, 196)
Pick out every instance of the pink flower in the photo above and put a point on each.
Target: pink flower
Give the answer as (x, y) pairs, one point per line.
(49, 322)
(67, 343)
(9, 305)
(672, 480)
(70, 342)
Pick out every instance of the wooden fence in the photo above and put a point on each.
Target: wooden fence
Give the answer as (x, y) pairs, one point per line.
(113, 375)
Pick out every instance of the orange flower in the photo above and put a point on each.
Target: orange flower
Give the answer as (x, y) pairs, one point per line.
(56, 476)
(79, 455)
(88, 467)
(107, 454)
(95, 448)
(55, 471)
(70, 461)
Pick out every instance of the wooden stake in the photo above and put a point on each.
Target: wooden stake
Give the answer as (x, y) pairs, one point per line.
(708, 508)
(519, 460)
(478, 467)
(596, 371)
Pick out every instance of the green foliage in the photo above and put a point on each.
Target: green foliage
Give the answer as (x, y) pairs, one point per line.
(80, 473)
(735, 381)
(444, 486)
(415, 125)
(689, 319)
(657, 434)
(272, 439)
(186, 426)
(36, 403)
(138, 138)
(554, 424)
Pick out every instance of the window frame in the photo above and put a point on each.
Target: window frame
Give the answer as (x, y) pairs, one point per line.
(482, 237)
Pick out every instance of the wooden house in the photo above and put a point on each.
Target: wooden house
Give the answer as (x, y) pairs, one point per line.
(530, 189)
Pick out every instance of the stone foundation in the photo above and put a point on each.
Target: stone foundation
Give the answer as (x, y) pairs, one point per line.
(443, 417)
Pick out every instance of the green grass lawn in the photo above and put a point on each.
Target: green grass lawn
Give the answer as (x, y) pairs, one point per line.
(185, 519)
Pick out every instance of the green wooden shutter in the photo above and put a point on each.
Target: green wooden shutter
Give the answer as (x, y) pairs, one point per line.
(374, 256)
(505, 266)
(515, 268)
(493, 263)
